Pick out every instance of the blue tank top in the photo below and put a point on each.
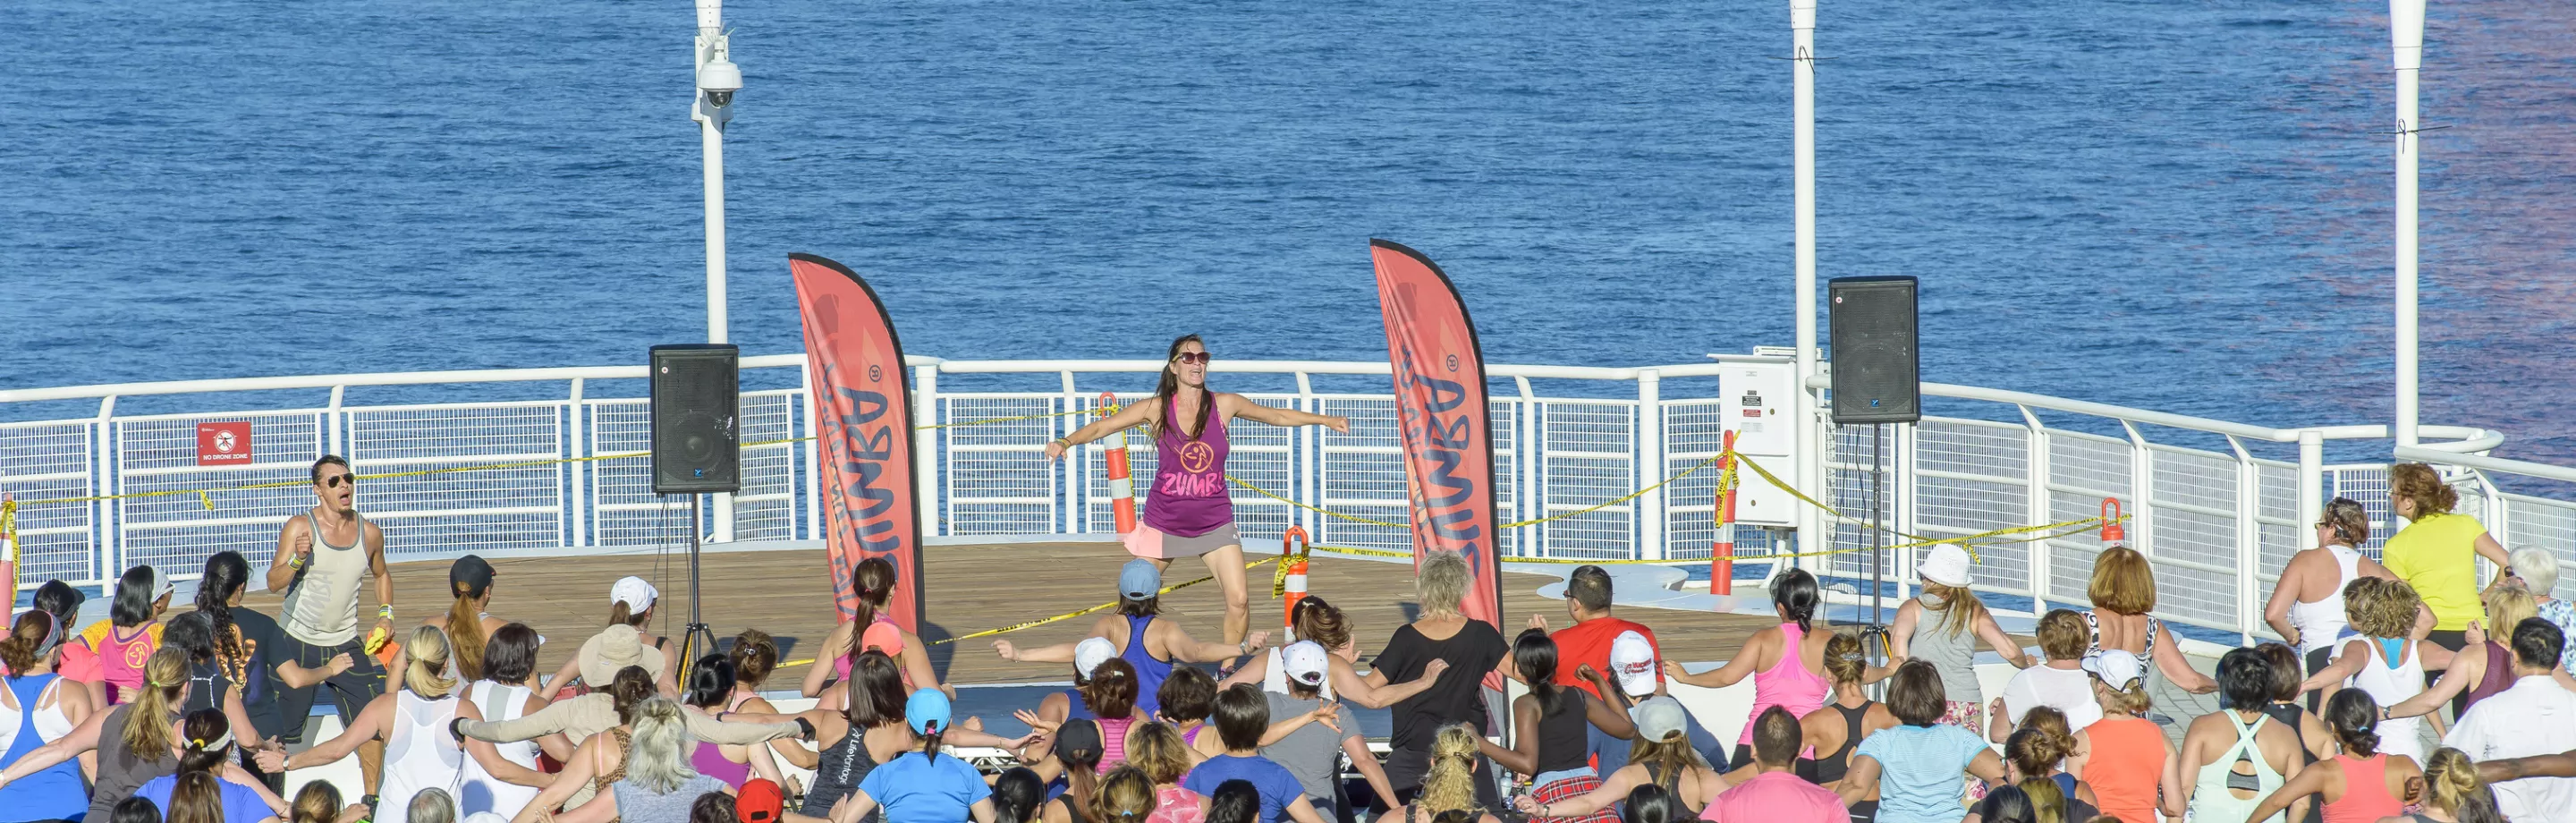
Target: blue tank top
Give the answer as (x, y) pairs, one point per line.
(1149, 671)
(1073, 708)
(56, 793)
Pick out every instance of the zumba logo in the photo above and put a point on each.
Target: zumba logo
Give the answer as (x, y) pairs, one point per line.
(1197, 456)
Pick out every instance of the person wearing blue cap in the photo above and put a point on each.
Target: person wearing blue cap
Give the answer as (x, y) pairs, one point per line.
(932, 788)
(1147, 642)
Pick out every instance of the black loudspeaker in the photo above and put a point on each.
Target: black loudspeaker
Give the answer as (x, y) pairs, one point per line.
(697, 397)
(1877, 366)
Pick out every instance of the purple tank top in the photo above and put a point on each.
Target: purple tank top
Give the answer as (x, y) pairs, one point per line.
(710, 761)
(1188, 498)
(2499, 676)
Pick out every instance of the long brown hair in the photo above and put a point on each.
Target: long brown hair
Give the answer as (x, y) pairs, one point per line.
(147, 719)
(196, 797)
(2420, 483)
(873, 581)
(26, 640)
(465, 629)
(1170, 386)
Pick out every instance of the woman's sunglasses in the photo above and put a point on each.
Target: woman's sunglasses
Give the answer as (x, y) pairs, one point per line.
(1191, 358)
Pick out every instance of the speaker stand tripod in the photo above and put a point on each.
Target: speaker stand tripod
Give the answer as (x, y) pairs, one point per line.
(697, 631)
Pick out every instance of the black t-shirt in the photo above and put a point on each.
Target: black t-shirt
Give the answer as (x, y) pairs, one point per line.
(264, 642)
(1458, 697)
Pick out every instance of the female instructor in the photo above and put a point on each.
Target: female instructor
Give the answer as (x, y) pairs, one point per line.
(1187, 512)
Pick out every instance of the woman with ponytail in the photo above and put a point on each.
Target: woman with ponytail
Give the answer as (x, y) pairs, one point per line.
(420, 753)
(467, 625)
(1450, 787)
(2360, 785)
(1784, 661)
(2453, 792)
(135, 742)
(1188, 512)
(710, 689)
(1661, 756)
(870, 628)
(930, 788)
(206, 744)
(246, 645)
(1549, 743)
(1075, 760)
(211, 683)
(1834, 732)
(1942, 626)
(755, 656)
(1126, 795)
(46, 712)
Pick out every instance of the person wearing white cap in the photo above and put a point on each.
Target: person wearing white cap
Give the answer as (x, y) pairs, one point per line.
(1661, 756)
(1314, 751)
(1146, 641)
(1942, 626)
(624, 643)
(1635, 676)
(2123, 756)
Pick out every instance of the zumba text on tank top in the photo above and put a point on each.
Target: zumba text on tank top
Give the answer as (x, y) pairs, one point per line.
(1188, 497)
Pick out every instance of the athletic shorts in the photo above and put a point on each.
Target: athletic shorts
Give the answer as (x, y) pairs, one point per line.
(350, 691)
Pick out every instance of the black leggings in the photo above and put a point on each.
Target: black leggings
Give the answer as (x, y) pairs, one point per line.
(2455, 641)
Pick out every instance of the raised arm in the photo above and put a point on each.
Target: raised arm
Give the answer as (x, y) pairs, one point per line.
(2465, 669)
(1245, 408)
(1609, 719)
(552, 719)
(1741, 666)
(1993, 633)
(2494, 552)
(1900, 641)
(1128, 417)
(2347, 662)
(2308, 781)
(294, 543)
(296, 676)
(370, 723)
(786, 750)
(554, 686)
(2562, 764)
(1184, 649)
(826, 658)
(490, 756)
(1327, 713)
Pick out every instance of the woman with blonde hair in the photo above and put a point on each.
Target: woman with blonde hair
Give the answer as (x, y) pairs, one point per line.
(420, 753)
(1942, 626)
(2484, 665)
(135, 742)
(2453, 793)
(1832, 733)
(2122, 591)
(2383, 660)
(641, 775)
(2437, 552)
(1126, 795)
(2031, 757)
(1451, 785)
(319, 802)
(1442, 635)
(1156, 748)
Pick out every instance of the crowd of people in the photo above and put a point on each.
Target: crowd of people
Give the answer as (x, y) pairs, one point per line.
(2406, 690)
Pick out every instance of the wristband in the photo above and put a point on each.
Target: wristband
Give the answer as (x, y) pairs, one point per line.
(385, 612)
(295, 561)
(806, 725)
(1064, 442)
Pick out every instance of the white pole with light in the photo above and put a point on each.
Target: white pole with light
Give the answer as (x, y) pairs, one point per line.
(717, 80)
(1810, 468)
(2406, 35)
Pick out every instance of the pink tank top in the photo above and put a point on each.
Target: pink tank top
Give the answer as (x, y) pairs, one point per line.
(893, 648)
(1113, 741)
(1788, 685)
(1188, 497)
(2365, 791)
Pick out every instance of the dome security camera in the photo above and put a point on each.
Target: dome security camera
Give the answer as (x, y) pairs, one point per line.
(719, 80)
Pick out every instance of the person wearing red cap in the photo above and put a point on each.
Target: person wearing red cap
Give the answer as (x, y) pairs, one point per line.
(760, 801)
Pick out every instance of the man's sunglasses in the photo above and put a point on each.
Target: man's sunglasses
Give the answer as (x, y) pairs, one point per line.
(338, 480)
(1191, 358)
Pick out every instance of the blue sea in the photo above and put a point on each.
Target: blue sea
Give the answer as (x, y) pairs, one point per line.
(2177, 205)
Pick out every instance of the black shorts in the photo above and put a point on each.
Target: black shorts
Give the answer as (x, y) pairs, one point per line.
(2318, 661)
(350, 690)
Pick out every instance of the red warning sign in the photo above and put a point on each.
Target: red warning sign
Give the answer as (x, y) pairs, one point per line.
(222, 444)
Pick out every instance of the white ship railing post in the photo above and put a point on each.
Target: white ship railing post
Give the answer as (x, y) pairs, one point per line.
(717, 79)
(925, 446)
(1810, 466)
(1650, 466)
(2312, 471)
(2406, 36)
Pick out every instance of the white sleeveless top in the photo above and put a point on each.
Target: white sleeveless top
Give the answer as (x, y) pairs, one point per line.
(419, 754)
(2321, 621)
(2391, 686)
(478, 790)
(1274, 676)
(322, 607)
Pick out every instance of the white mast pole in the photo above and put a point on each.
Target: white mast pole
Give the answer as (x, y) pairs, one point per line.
(2406, 35)
(1810, 468)
(717, 80)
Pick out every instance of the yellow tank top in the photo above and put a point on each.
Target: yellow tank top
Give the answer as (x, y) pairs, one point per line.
(2438, 556)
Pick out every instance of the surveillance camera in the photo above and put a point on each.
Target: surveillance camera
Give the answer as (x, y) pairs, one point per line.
(720, 79)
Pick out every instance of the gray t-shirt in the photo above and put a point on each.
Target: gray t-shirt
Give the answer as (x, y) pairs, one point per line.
(1312, 752)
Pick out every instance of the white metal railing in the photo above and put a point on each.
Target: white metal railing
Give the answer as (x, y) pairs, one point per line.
(2216, 505)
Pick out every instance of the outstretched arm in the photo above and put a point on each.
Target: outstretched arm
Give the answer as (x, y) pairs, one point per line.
(368, 725)
(1183, 649)
(2308, 781)
(83, 738)
(1741, 666)
(1128, 417)
(2562, 764)
(1244, 407)
(1366, 691)
(1993, 633)
(2177, 668)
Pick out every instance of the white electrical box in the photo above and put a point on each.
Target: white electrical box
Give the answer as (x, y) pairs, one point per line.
(1760, 407)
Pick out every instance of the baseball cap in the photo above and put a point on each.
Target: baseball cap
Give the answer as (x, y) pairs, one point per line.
(1659, 718)
(1090, 653)
(1306, 661)
(634, 592)
(2116, 667)
(469, 574)
(1139, 579)
(759, 801)
(884, 637)
(926, 708)
(1946, 564)
(1632, 663)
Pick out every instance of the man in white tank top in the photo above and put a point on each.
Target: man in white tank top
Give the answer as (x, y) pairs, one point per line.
(322, 556)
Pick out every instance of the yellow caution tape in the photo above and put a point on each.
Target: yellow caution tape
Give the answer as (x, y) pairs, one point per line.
(1031, 624)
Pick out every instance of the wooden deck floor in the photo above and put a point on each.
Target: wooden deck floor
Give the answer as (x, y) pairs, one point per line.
(971, 588)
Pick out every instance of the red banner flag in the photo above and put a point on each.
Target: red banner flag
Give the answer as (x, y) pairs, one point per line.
(1440, 407)
(857, 375)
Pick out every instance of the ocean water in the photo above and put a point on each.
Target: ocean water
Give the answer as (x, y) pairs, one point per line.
(2176, 205)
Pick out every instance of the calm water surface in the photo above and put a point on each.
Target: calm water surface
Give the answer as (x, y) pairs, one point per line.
(2181, 206)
